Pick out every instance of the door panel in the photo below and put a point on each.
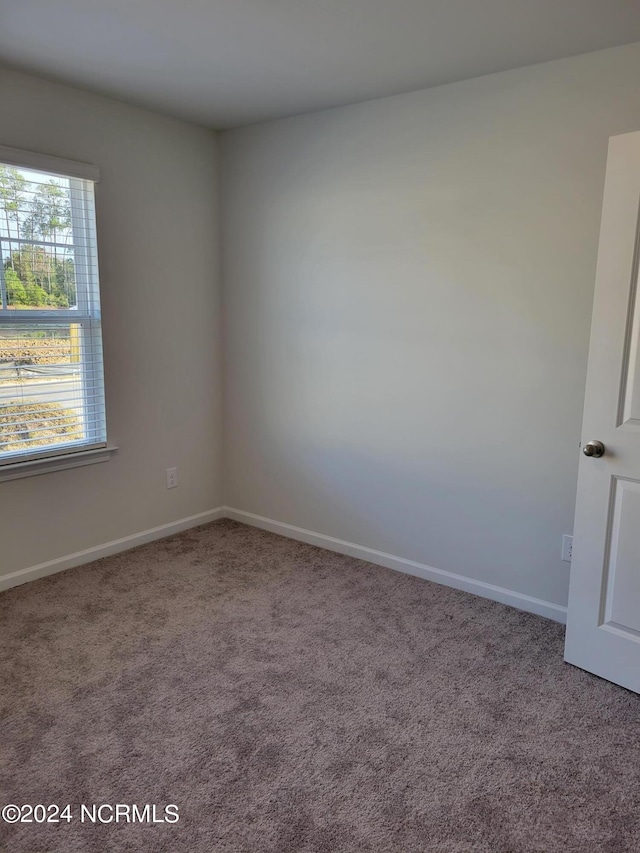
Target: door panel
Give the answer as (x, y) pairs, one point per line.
(603, 620)
(631, 390)
(622, 588)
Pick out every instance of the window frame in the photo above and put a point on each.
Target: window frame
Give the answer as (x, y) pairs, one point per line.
(95, 448)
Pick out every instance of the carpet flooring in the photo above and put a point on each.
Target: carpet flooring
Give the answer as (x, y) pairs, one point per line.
(291, 700)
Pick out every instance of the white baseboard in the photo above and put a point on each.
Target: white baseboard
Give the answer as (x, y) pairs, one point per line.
(399, 564)
(486, 590)
(109, 548)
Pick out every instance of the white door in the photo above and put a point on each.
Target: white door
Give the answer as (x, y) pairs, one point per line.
(603, 626)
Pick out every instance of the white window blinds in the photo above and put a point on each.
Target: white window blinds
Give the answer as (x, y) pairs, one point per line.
(51, 376)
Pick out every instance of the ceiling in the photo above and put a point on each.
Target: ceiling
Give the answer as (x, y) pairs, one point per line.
(224, 63)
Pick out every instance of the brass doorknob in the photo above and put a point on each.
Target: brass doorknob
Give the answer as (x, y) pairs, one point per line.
(594, 448)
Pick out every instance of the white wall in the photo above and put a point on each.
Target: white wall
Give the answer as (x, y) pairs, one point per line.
(159, 267)
(408, 289)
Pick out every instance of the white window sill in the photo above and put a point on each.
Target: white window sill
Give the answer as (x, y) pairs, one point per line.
(18, 470)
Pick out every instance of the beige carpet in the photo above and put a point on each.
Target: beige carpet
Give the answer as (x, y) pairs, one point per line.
(289, 699)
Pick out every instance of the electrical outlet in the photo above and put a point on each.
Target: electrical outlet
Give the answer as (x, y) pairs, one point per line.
(567, 548)
(172, 478)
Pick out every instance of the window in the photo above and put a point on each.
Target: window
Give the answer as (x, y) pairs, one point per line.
(51, 377)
